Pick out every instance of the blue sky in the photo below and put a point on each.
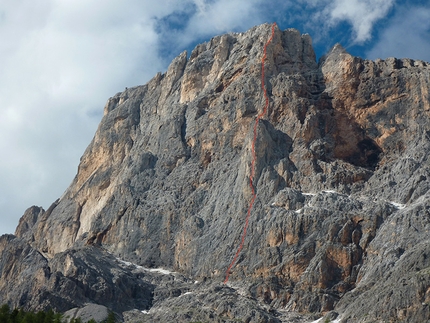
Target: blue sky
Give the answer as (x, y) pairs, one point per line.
(62, 59)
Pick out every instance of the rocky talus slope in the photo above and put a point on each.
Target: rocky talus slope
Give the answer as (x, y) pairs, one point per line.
(340, 226)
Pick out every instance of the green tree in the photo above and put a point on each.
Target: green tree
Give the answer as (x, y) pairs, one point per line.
(13, 317)
(77, 320)
(111, 318)
(40, 317)
(49, 316)
(5, 313)
(29, 318)
(20, 316)
(57, 318)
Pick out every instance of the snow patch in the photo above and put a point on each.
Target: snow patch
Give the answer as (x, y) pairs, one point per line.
(323, 191)
(330, 191)
(321, 321)
(125, 262)
(157, 270)
(298, 211)
(152, 270)
(187, 293)
(397, 205)
(145, 312)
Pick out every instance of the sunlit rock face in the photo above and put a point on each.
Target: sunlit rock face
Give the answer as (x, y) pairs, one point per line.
(342, 209)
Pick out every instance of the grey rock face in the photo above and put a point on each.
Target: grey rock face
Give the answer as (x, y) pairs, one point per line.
(341, 214)
(70, 279)
(27, 221)
(94, 312)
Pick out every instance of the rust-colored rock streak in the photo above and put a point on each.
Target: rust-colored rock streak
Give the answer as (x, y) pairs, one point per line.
(251, 177)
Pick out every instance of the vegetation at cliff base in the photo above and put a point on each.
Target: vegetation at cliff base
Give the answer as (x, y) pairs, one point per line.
(20, 316)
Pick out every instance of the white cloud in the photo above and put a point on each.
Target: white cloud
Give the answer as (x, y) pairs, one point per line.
(60, 61)
(225, 15)
(201, 5)
(360, 14)
(407, 35)
(216, 17)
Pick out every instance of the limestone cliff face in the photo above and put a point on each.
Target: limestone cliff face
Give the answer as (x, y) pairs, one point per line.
(342, 209)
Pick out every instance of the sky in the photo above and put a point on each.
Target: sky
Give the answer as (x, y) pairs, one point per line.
(60, 60)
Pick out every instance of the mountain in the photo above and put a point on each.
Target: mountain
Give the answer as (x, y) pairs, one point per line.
(151, 222)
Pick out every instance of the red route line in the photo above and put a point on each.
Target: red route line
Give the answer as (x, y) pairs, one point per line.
(254, 157)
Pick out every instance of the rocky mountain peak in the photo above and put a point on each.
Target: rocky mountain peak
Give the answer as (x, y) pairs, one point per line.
(341, 179)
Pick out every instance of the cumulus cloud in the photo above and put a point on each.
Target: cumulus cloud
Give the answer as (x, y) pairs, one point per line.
(223, 15)
(361, 15)
(407, 35)
(61, 60)
(198, 20)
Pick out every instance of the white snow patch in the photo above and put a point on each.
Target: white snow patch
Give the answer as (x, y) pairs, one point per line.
(298, 211)
(321, 321)
(127, 263)
(157, 270)
(145, 312)
(323, 191)
(187, 293)
(397, 205)
(329, 191)
(152, 270)
(196, 282)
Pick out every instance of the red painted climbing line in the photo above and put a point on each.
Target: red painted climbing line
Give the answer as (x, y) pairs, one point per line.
(251, 177)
